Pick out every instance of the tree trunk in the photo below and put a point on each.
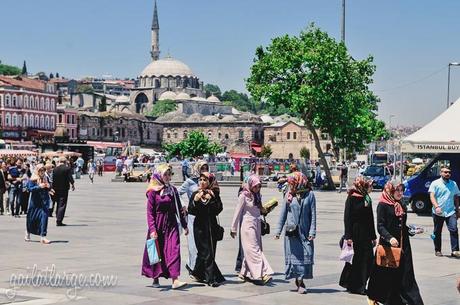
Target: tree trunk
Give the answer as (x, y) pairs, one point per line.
(330, 182)
(335, 149)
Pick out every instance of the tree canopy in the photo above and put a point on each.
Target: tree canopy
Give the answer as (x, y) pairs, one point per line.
(212, 90)
(196, 144)
(314, 77)
(162, 107)
(9, 70)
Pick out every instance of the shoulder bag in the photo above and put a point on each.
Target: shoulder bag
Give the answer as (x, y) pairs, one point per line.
(387, 256)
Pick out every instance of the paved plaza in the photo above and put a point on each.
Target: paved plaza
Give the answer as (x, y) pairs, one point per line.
(106, 234)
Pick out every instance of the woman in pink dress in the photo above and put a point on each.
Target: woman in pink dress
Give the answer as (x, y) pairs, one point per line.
(255, 266)
(162, 207)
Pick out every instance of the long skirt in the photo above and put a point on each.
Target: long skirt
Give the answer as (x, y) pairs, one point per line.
(37, 220)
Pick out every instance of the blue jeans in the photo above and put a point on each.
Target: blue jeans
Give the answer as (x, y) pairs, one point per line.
(451, 223)
(14, 199)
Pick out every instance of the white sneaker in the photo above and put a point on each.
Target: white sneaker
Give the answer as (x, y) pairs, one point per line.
(178, 284)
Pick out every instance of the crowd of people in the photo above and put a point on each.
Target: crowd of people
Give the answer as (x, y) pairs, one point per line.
(381, 267)
(35, 189)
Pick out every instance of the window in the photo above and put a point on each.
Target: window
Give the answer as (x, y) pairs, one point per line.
(123, 132)
(219, 135)
(52, 104)
(15, 120)
(175, 135)
(7, 119)
(14, 100)
(110, 132)
(52, 122)
(67, 119)
(42, 122)
(105, 132)
(7, 100)
(226, 136)
(73, 119)
(168, 136)
(241, 134)
(20, 120)
(37, 102)
(20, 101)
(37, 122)
(73, 133)
(294, 136)
(26, 101)
(1, 100)
(288, 136)
(47, 122)
(47, 104)
(26, 120)
(42, 103)
(60, 118)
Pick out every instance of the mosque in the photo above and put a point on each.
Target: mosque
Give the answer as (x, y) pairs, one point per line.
(170, 79)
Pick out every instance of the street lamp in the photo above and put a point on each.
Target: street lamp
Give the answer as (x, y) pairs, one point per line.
(389, 128)
(448, 81)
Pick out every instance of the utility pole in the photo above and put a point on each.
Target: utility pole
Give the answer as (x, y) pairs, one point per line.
(343, 21)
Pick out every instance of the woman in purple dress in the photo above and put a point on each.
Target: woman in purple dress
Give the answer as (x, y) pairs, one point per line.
(162, 207)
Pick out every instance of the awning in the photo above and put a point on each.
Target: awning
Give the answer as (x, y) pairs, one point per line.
(257, 149)
(103, 145)
(12, 153)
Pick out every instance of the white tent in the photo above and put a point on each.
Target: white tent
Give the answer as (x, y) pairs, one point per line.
(442, 135)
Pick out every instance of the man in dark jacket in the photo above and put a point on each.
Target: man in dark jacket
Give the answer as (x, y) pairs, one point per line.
(3, 184)
(62, 181)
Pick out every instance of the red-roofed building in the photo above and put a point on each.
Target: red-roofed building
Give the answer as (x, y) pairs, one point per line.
(27, 108)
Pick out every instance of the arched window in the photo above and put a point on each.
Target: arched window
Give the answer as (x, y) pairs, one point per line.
(26, 101)
(14, 100)
(37, 102)
(42, 103)
(26, 121)
(47, 104)
(52, 104)
(37, 122)
(20, 101)
(7, 119)
(7, 100)
(52, 122)
(14, 122)
(47, 122)
(1, 100)
(42, 122)
(31, 121)
(20, 120)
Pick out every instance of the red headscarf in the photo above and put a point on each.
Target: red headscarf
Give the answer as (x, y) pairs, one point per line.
(387, 197)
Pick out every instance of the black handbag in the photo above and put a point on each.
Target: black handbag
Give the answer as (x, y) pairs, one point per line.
(218, 230)
(265, 226)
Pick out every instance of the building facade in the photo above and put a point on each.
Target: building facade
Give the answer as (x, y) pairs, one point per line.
(27, 108)
(286, 139)
(67, 118)
(119, 127)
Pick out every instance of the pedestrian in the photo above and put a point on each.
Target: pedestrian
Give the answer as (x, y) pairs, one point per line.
(49, 167)
(298, 216)
(189, 187)
(232, 166)
(91, 167)
(255, 266)
(185, 164)
(62, 182)
(163, 207)
(343, 177)
(206, 205)
(3, 185)
(318, 179)
(119, 165)
(37, 216)
(444, 195)
(26, 175)
(393, 286)
(15, 176)
(360, 234)
(100, 167)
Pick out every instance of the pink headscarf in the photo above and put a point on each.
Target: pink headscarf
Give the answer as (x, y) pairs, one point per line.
(250, 182)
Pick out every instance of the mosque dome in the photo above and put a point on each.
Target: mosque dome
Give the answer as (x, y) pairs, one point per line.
(167, 95)
(213, 98)
(182, 96)
(167, 67)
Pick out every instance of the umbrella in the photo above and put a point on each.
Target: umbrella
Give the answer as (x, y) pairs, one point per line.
(12, 152)
(52, 154)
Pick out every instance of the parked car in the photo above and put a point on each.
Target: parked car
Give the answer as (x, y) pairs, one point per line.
(380, 175)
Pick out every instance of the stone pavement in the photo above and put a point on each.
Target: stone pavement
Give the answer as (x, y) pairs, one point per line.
(106, 234)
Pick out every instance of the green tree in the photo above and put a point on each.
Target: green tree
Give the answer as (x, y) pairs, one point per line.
(162, 107)
(103, 104)
(241, 101)
(9, 70)
(305, 153)
(315, 78)
(196, 144)
(84, 88)
(212, 89)
(266, 151)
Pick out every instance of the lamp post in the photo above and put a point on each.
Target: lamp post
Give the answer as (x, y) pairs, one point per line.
(448, 81)
(343, 22)
(389, 128)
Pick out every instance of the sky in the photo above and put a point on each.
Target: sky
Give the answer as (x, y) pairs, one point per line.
(412, 41)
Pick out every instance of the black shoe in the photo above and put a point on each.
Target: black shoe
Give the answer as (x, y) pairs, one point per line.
(438, 253)
(215, 284)
(60, 224)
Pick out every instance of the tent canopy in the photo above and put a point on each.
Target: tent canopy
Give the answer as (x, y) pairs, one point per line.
(442, 135)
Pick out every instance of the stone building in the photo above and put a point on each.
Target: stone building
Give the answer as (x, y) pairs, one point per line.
(287, 138)
(119, 127)
(234, 133)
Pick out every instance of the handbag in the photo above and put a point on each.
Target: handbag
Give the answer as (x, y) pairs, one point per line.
(218, 230)
(152, 251)
(347, 253)
(179, 224)
(292, 231)
(265, 226)
(389, 257)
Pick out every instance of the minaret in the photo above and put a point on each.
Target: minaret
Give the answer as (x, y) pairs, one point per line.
(155, 52)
